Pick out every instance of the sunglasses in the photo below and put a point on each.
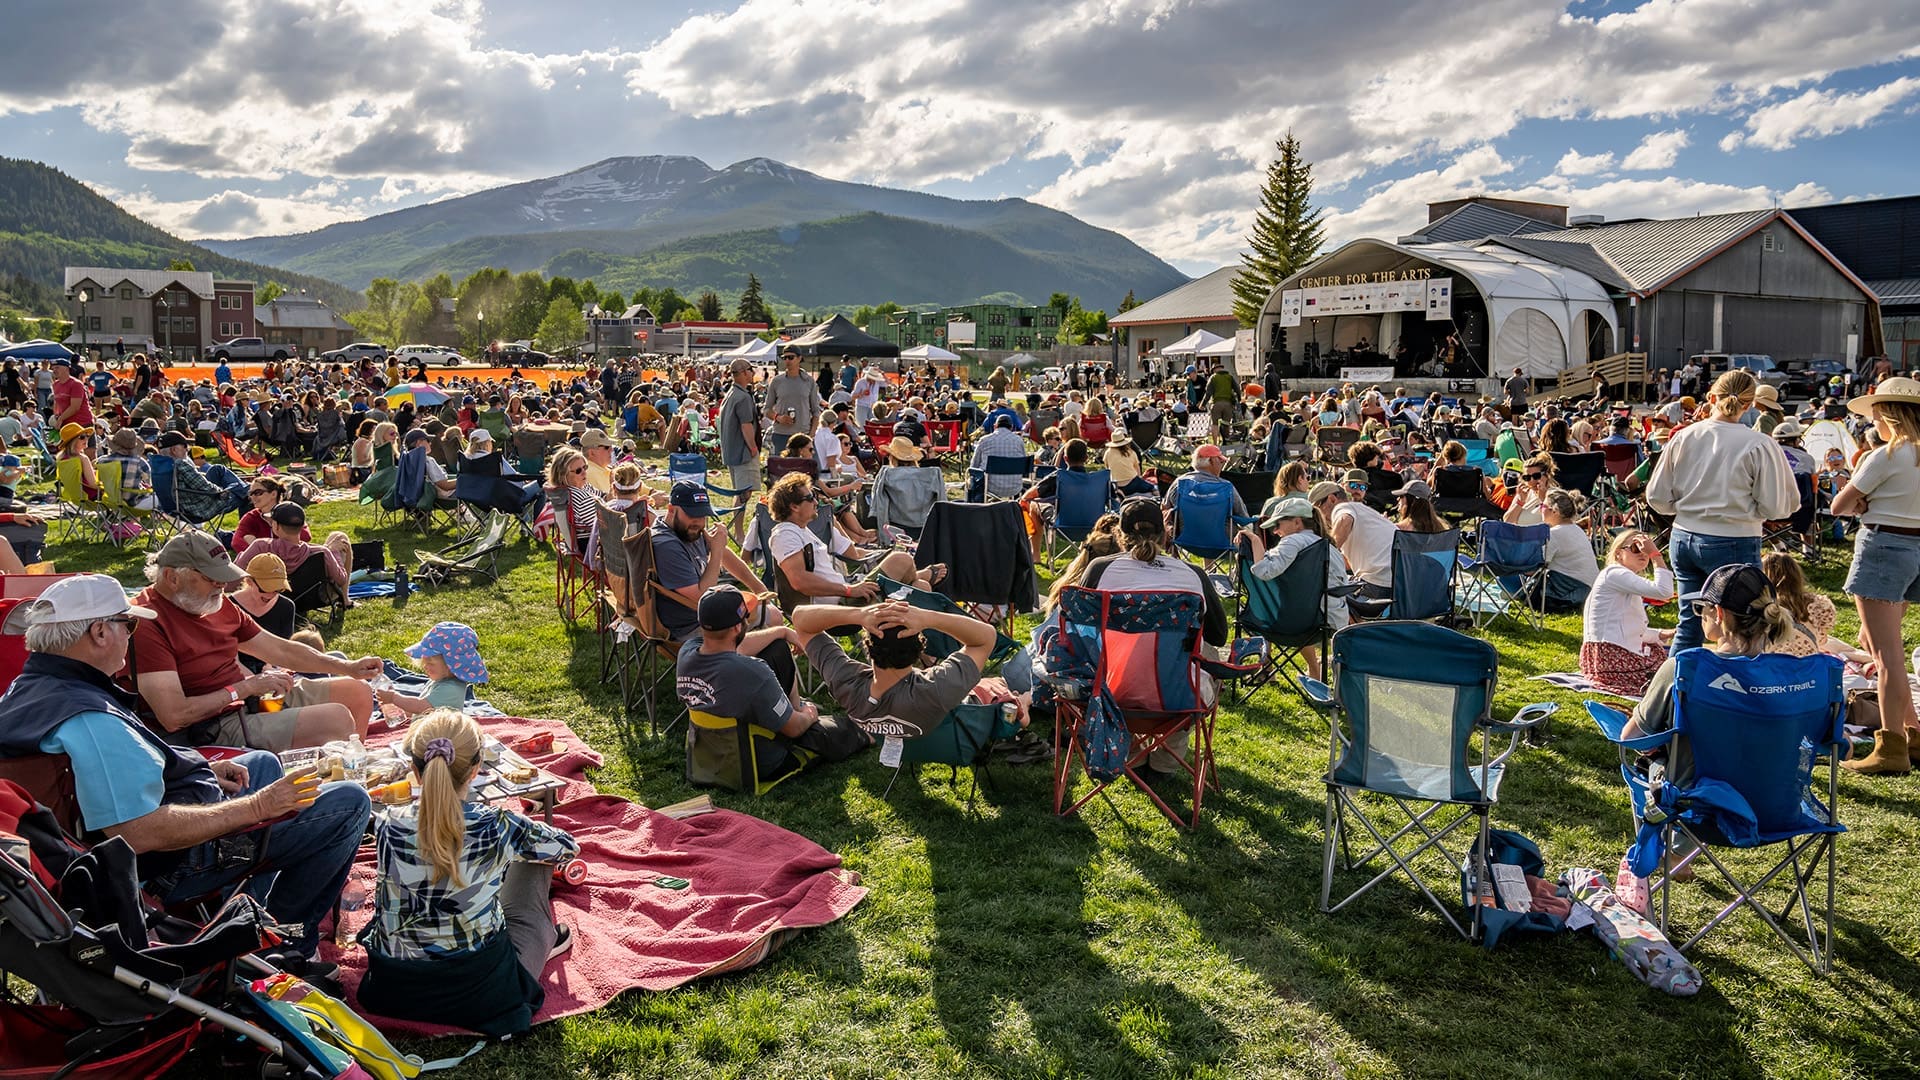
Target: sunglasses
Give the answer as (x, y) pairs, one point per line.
(258, 491)
(127, 621)
(1536, 476)
(810, 497)
(1702, 607)
(578, 469)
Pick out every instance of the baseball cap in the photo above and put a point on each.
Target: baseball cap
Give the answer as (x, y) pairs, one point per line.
(1318, 493)
(289, 514)
(724, 607)
(1738, 587)
(170, 439)
(691, 498)
(1205, 451)
(1418, 489)
(202, 553)
(594, 437)
(415, 435)
(1284, 506)
(480, 434)
(1139, 515)
(739, 365)
(82, 596)
(1356, 476)
(268, 571)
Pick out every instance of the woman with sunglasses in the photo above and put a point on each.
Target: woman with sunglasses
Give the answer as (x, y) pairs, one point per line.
(1618, 650)
(577, 501)
(1528, 505)
(263, 495)
(263, 595)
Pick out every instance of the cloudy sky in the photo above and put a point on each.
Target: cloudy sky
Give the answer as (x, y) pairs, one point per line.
(219, 118)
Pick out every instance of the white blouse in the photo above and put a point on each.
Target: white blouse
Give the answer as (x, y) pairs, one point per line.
(1616, 610)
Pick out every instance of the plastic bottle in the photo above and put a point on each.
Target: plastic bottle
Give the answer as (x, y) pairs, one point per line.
(354, 761)
(400, 586)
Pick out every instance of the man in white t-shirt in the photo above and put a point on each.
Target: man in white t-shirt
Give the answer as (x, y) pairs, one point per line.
(1363, 534)
(811, 565)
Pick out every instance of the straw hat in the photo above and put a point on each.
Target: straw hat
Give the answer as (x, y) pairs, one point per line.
(1899, 390)
(903, 449)
(1767, 397)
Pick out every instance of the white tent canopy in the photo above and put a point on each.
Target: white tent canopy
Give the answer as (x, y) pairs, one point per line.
(753, 349)
(1537, 311)
(1824, 435)
(1020, 360)
(1193, 343)
(928, 352)
(1218, 350)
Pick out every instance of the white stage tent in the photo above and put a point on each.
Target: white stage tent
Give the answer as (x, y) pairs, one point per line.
(1193, 343)
(1219, 350)
(928, 352)
(1539, 314)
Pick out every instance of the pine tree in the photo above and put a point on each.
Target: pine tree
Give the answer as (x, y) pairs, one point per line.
(1287, 233)
(709, 303)
(753, 307)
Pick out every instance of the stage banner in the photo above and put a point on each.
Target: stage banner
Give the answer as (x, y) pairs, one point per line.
(1440, 299)
(1290, 308)
(1366, 374)
(1246, 361)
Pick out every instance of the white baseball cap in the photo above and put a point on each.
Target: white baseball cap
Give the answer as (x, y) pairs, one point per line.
(83, 596)
(480, 434)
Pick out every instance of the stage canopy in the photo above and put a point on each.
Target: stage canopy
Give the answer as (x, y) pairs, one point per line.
(1193, 343)
(839, 337)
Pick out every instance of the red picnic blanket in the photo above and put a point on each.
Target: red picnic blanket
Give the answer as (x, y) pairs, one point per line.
(753, 885)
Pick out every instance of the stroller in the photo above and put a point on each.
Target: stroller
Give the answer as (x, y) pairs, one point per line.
(126, 990)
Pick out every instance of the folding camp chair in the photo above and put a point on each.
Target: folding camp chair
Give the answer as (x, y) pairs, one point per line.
(778, 467)
(981, 480)
(1408, 700)
(484, 484)
(82, 517)
(1289, 614)
(946, 439)
(1079, 500)
(1480, 456)
(1146, 435)
(412, 498)
(1205, 512)
(130, 521)
(576, 573)
(1507, 574)
(641, 653)
(1753, 725)
(313, 591)
(1096, 430)
(1331, 444)
(476, 554)
(43, 465)
(1130, 679)
(1619, 459)
(1577, 472)
(1424, 567)
(1255, 488)
(693, 468)
(725, 752)
(529, 452)
(961, 738)
(236, 454)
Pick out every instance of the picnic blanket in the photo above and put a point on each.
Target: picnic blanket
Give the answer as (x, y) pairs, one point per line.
(1580, 684)
(754, 885)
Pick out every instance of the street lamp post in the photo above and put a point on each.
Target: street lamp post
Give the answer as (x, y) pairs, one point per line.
(480, 327)
(83, 296)
(166, 325)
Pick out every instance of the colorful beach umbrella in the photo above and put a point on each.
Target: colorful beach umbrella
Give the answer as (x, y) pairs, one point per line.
(421, 393)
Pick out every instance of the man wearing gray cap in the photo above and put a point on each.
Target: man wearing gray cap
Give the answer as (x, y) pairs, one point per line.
(170, 805)
(740, 438)
(186, 662)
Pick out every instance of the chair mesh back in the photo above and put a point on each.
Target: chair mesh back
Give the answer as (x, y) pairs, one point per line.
(1206, 517)
(687, 467)
(1081, 497)
(1412, 693)
(1141, 645)
(1513, 549)
(1423, 566)
(1577, 472)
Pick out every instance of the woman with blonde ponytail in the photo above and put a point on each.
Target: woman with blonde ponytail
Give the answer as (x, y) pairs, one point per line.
(462, 925)
(1721, 481)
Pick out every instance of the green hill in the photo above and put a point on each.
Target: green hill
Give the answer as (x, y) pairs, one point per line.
(50, 221)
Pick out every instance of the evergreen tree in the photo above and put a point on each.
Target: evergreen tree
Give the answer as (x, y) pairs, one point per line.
(1287, 233)
(709, 306)
(180, 266)
(753, 306)
(268, 293)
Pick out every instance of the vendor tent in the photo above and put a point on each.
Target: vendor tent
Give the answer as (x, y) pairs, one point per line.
(1824, 435)
(1219, 350)
(753, 349)
(839, 337)
(929, 352)
(37, 349)
(1192, 343)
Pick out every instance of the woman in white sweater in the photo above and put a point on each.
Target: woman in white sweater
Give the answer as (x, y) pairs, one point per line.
(1618, 650)
(1721, 481)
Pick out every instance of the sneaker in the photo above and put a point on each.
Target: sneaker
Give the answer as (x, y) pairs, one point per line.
(562, 940)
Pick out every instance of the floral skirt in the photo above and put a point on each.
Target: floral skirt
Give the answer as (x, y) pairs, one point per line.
(1618, 670)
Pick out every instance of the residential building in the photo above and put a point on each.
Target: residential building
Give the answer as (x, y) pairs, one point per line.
(1205, 303)
(177, 313)
(304, 322)
(620, 333)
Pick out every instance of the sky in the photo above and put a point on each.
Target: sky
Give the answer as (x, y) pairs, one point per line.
(1154, 118)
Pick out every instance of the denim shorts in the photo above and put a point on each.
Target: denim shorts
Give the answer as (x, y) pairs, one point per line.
(1885, 567)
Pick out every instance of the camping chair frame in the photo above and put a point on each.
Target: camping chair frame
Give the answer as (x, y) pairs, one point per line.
(749, 737)
(1021, 467)
(1809, 853)
(1502, 551)
(1291, 617)
(1087, 495)
(311, 590)
(577, 580)
(476, 554)
(1207, 524)
(961, 738)
(1370, 762)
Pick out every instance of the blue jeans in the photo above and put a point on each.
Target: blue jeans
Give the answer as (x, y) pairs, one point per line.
(1694, 556)
(306, 861)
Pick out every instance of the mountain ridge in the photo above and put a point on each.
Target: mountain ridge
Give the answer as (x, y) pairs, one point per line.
(625, 206)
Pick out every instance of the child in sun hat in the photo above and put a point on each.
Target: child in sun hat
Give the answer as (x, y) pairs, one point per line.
(449, 654)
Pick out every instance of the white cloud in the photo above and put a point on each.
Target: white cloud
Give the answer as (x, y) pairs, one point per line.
(1575, 163)
(1658, 150)
(1151, 117)
(1818, 113)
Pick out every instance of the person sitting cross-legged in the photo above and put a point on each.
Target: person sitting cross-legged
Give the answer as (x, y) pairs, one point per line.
(169, 804)
(808, 561)
(893, 696)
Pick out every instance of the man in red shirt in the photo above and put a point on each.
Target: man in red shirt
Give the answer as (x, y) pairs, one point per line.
(188, 668)
(70, 398)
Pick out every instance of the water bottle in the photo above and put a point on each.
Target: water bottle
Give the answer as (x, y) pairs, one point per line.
(400, 586)
(354, 761)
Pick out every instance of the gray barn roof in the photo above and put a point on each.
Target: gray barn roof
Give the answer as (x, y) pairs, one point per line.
(1647, 255)
(1892, 291)
(1475, 221)
(1200, 300)
(197, 282)
(297, 313)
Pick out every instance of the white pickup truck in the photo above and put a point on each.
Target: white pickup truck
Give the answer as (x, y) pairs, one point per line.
(251, 348)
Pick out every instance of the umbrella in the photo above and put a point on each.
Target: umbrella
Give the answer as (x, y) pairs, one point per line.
(1019, 360)
(928, 352)
(421, 393)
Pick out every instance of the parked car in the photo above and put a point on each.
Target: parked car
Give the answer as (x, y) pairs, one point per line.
(1760, 364)
(514, 354)
(1808, 378)
(354, 353)
(411, 355)
(251, 348)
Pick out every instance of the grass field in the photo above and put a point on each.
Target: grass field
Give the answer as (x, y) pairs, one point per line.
(1006, 942)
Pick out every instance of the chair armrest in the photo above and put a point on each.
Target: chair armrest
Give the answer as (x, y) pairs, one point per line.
(1316, 692)
(1612, 722)
(1529, 717)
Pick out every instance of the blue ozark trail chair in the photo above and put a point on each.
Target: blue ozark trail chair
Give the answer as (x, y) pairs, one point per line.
(1754, 725)
(1079, 500)
(1509, 568)
(980, 481)
(1289, 614)
(1409, 700)
(1127, 670)
(1206, 528)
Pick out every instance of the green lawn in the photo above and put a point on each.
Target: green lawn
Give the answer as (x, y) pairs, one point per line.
(1006, 942)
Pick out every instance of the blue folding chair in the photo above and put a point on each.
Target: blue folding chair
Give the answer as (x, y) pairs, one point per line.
(1507, 575)
(1480, 456)
(1289, 614)
(1424, 569)
(1408, 700)
(1079, 500)
(693, 468)
(1753, 725)
(1206, 518)
(980, 481)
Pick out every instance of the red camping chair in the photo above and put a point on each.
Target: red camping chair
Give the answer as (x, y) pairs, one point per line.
(577, 579)
(1096, 430)
(1132, 660)
(948, 437)
(239, 457)
(1621, 459)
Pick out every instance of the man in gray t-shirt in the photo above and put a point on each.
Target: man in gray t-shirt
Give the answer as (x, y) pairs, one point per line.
(892, 698)
(740, 431)
(792, 406)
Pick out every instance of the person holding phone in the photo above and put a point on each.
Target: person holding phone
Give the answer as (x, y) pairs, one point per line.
(1619, 651)
(1529, 500)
